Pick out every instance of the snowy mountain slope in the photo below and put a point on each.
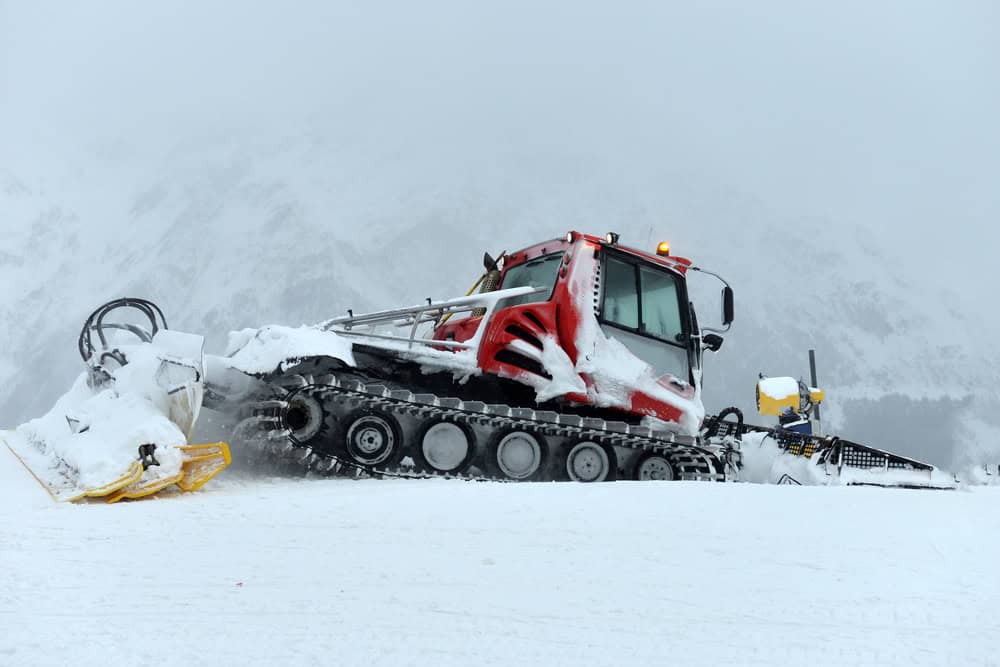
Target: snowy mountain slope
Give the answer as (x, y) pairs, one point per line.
(234, 231)
(267, 570)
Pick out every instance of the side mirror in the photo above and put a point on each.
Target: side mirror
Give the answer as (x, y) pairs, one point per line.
(727, 306)
(712, 341)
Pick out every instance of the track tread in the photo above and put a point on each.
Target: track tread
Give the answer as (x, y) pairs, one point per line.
(693, 457)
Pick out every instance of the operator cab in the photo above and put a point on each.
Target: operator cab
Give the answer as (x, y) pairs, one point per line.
(640, 299)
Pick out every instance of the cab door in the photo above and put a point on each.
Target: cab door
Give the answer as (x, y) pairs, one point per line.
(641, 307)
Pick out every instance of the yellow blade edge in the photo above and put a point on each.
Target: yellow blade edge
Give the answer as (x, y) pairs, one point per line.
(140, 490)
(133, 475)
(202, 463)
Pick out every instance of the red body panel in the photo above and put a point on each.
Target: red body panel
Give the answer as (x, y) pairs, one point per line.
(459, 330)
(515, 329)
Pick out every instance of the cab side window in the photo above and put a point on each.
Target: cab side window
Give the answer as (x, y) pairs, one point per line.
(621, 298)
(642, 299)
(661, 313)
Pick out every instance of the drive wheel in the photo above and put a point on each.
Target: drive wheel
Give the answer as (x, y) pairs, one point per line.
(306, 418)
(589, 461)
(654, 466)
(517, 455)
(372, 438)
(444, 447)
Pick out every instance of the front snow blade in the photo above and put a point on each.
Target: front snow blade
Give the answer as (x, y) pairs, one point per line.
(198, 465)
(58, 480)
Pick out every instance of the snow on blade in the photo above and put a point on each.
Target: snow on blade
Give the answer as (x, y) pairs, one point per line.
(122, 431)
(90, 439)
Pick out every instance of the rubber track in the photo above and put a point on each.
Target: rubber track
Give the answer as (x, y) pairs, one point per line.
(689, 456)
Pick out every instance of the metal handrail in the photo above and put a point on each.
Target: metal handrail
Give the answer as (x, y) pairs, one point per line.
(432, 311)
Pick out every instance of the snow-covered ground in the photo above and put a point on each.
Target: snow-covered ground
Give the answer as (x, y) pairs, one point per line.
(269, 571)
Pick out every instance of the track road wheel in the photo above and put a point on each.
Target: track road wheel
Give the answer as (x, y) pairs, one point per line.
(444, 447)
(654, 466)
(371, 438)
(589, 461)
(306, 418)
(517, 455)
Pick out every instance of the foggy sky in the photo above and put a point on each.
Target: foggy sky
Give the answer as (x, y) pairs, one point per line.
(881, 113)
(878, 116)
(874, 120)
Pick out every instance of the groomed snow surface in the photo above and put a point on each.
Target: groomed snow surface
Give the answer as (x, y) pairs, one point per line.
(262, 570)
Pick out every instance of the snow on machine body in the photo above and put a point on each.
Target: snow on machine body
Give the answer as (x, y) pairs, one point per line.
(578, 359)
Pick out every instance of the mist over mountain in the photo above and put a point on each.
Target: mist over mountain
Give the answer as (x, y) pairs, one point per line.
(838, 167)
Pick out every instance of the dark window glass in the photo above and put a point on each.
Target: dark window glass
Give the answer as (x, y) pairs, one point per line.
(621, 299)
(536, 273)
(661, 313)
(643, 299)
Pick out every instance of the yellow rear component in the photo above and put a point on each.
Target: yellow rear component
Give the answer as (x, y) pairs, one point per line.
(777, 394)
(768, 405)
(806, 449)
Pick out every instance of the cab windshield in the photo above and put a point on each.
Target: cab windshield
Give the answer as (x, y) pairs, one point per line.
(539, 272)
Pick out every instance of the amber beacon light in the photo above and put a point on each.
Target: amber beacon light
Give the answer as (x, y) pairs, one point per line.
(663, 249)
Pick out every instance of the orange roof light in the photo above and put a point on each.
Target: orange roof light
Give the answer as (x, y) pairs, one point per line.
(663, 249)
